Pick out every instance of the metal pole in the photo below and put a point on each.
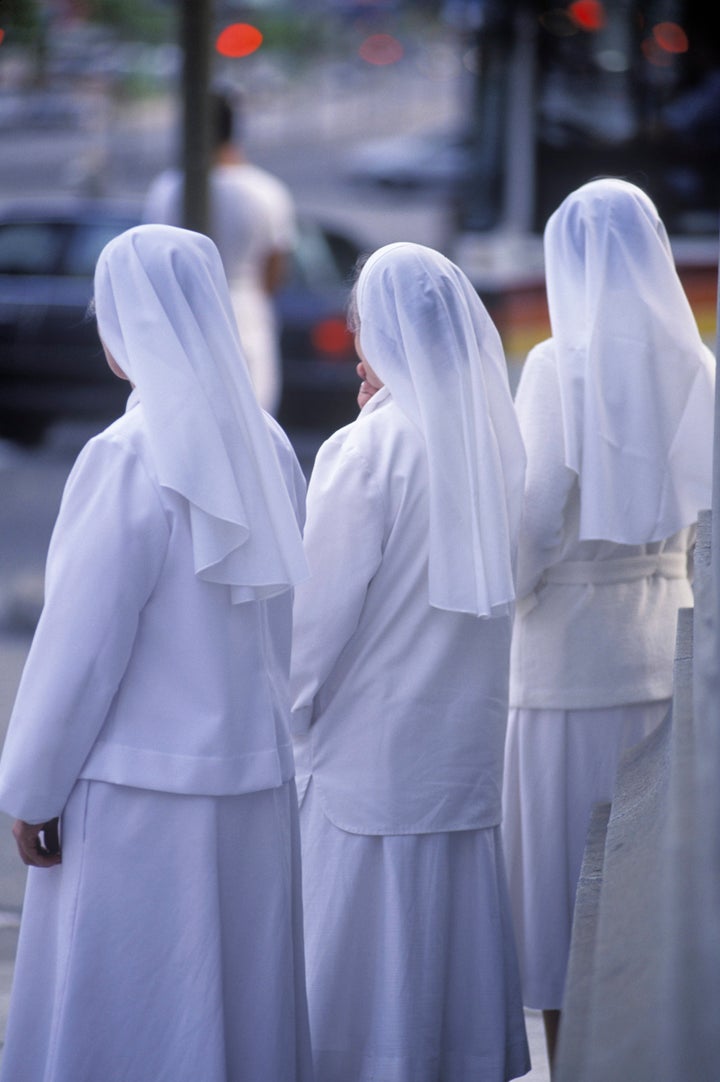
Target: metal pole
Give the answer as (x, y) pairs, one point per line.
(195, 33)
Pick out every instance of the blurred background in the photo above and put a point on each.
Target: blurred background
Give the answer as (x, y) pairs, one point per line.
(460, 124)
(456, 123)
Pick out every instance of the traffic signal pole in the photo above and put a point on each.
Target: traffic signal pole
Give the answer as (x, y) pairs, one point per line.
(195, 36)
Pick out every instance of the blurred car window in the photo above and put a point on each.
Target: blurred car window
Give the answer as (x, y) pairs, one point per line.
(346, 255)
(86, 243)
(322, 257)
(313, 264)
(31, 248)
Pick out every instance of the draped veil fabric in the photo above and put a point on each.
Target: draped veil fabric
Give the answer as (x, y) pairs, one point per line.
(636, 380)
(431, 341)
(210, 438)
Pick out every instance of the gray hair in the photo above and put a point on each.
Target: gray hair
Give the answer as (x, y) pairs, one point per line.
(352, 315)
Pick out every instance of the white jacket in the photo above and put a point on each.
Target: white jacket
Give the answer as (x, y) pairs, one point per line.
(140, 673)
(595, 623)
(404, 704)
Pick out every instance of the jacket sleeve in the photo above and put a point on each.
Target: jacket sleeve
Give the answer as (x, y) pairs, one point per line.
(105, 556)
(548, 481)
(343, 544)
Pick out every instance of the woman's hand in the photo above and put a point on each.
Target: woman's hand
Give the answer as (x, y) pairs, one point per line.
(38, 843)
(370, 384)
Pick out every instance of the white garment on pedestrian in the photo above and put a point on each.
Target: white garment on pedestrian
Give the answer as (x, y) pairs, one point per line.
(616, 412)
(251, 216)
(590, 675)
(181, 350)
(636, 380)
(400, 702)
(411, 967)
(414, 304)
(167, 946)
(595, 624)
(132, 649)
(153, 715)
(144, 955)
(405, 703)
(558, 765)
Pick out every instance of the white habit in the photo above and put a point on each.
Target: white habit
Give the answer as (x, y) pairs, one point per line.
(616, 416)
(153, 718)
(399, 720)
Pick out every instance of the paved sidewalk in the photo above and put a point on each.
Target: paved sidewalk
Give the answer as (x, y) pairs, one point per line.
(9, 923)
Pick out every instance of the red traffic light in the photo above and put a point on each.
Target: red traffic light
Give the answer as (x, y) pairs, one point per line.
(238, 39)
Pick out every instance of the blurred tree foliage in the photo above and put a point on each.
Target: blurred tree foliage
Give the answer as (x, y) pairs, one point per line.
(25, 24)
(22, 18)
(138, 20)
(296, 28)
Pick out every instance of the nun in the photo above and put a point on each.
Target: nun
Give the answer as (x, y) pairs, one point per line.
(400, 682)
(616, 411)
(161, 936)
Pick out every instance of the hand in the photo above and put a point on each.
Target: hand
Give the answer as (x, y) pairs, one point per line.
(38, 843)
(370, 384)
(365, 394)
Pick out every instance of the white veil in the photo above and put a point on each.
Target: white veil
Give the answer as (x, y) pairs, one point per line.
(428, 336)
(636, 380)
(164, 313)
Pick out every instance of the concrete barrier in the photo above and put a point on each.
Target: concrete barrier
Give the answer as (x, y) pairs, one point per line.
(643, 992)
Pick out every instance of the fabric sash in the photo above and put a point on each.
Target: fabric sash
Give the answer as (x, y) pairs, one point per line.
(669, 565)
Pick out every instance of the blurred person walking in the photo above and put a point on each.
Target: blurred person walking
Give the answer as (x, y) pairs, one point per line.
(400, 675)
(616, 411)
(161, 936)
(252, 221)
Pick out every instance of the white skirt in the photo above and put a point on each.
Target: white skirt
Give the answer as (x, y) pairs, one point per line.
(411, 964)
(167, 946)
(558, 765)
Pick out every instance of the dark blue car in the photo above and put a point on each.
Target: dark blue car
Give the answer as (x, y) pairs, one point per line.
(51, 363)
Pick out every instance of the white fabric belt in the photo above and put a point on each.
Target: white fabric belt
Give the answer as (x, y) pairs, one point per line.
(670, 565)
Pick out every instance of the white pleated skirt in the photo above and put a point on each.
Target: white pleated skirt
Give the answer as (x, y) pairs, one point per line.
(167, 946)
(558, 765)
(411, 964)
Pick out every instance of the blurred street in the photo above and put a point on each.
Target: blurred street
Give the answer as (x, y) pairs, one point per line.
(303, 132)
